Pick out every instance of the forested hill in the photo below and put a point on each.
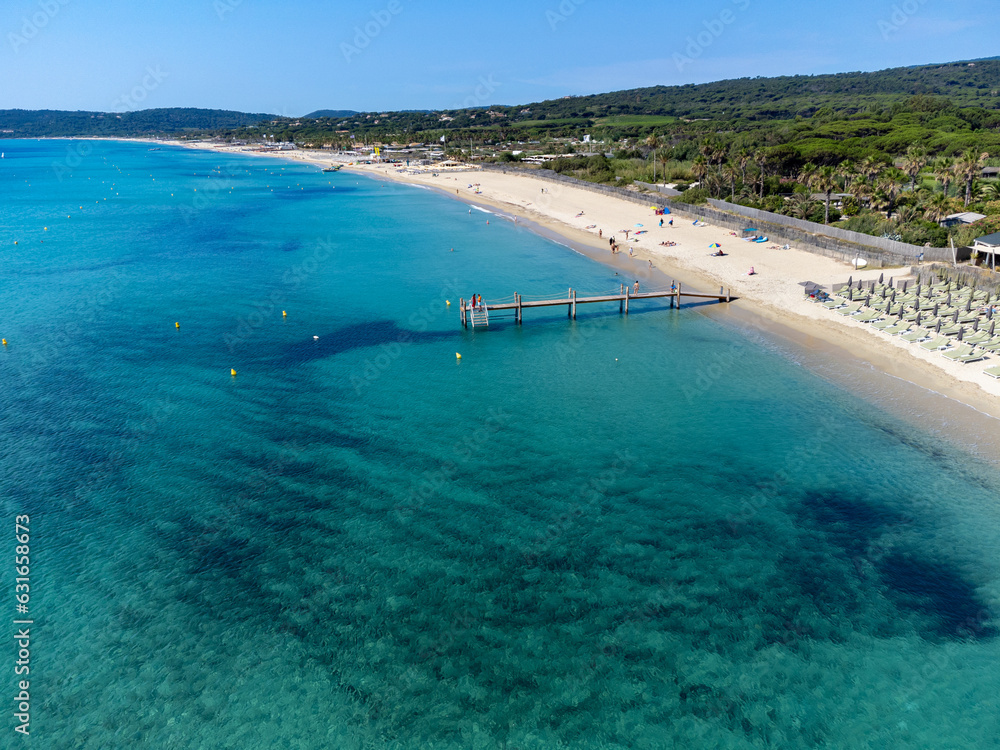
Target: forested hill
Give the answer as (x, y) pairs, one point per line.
(965, 84)
(22, 123)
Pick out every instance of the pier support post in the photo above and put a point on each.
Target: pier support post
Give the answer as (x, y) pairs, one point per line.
(626, 300)
(621, 302)
(517, 315)
(461, 307)
(728, 294)
(569, 305)
(671, 299)
(574, 304)
(678, 295)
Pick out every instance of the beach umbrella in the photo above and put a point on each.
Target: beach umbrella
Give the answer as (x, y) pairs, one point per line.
(917, 305)
(975, 325)
(715, 244)
(989, 314)
(992, 325)
(937, 328)
(904, 288)
(961, 333)
(955, 319)
(968, 304)
(935, 309)
(890, 281)
(850, 280)
(881, 276)
(947, 302)
(859, 285)
(893, 295)
(900, 318)
(918, 320)
(868, 301)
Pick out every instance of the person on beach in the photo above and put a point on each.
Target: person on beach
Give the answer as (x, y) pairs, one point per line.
(635, 288)
(661, 222)
(650, 264)
(671, 222)
(600, 232)
(751, 272)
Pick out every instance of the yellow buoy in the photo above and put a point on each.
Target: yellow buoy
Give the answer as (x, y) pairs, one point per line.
(284, 314)
(46, 229)
(5, 342)
(177, 324)
(457, 355)
(232, 372)
(448, 302)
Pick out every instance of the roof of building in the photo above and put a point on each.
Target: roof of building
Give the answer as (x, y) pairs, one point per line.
(966, 216)
(993, 240)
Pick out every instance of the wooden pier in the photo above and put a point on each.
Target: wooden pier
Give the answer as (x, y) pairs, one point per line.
(479, 316)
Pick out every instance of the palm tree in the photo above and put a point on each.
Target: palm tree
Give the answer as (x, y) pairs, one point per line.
(939, 206)
(870, 167)
(743, 158)
(989, 191)
(848, 173)
(906, 214)
(806, 173)
(654, 143)
(886, 189)
(824, 180)
(800, 205)
(762, 161)
(914, 161)
(863, 192)
(970, 167)
(699, 168)
(730, 172)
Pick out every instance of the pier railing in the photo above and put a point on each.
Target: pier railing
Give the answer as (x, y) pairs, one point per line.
(478, 315)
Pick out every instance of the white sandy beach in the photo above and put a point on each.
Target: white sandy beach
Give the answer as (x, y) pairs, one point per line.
(775, 291)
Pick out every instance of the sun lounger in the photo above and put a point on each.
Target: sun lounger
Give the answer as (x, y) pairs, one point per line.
(942, 342)
(870, 316)
(993, 372)
(849, 310)
(977, 338)
(952, 330)
(963, 354)
(914, 336)
(897, 329)
(881, 325)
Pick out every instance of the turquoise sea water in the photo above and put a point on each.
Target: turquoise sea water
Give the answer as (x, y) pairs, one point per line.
(642, 532)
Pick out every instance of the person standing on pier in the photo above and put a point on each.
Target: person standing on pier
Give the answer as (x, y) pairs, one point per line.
(635, 288)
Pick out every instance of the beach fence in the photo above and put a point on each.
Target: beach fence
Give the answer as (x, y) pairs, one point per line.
(831, 242)
(964, 276)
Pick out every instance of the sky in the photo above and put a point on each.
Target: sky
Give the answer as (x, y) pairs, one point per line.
(293, 57)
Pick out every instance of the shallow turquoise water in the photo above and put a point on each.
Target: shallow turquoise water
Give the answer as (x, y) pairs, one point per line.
(648, 532)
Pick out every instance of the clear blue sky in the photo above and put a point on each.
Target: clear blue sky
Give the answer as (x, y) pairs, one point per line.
(297, 56)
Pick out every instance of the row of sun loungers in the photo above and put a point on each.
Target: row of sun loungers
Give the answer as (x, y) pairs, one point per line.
(949, 319)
